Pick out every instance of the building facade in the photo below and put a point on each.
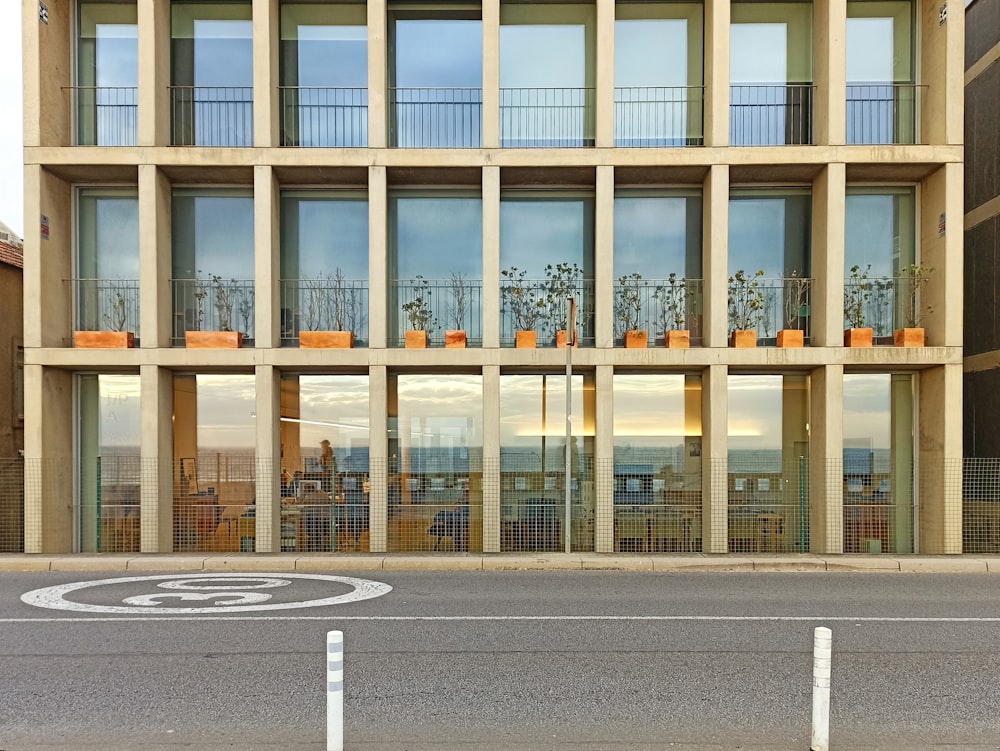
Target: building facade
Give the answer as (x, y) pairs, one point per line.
(11, 391)
(229, 182)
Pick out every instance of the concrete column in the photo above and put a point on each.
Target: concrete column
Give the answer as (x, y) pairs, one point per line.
(267, 257)
(266, 36)
(48, 262)
(154, 73)
(716, 256)
(156, 410)
(830, 71)
(48, 119)
(491, 74)
(605, 94)
(604, 257)
(604, 459)
(826, 465)
(156, 311)
(942, 71)
(491, 458)
(941, 197)
(378, 451)
(940, 460)
(378, 249)
(268, 427)
(377, 78)
(829, 204)
(715, 461)
(717, 73)
(491, 257)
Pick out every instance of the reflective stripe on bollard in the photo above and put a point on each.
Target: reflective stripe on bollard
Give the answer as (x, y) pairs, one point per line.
(335, 691)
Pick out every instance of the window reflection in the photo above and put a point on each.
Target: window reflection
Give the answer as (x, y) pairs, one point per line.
(107, 74)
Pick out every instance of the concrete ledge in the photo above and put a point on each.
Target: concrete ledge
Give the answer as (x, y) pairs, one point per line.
(334, 562)
(704, 563)
(90, 563)
(955, 565)
(611, 562)
(786, 564)
(433, 563)
(158, 562)
(528, 562)
(251, 562)
(21, 562)
(862, 563)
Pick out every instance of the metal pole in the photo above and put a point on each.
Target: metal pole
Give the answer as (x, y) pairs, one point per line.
(570, 343)
(822, 652)
(334, 691)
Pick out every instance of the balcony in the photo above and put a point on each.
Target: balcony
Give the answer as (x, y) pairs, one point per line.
(546, 118)
(657, 306)
(211, 116)
(320, 117)
(106, 115)
(771, 305)
(212, 304)
(659, 116)
(771, 115)
(437, 118)
(882, 113)
(883, 304)
(435, 306)
(540, 306)
(326, 304)
(106, 305)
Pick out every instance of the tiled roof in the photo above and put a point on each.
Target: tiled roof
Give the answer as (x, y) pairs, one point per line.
(11, 255)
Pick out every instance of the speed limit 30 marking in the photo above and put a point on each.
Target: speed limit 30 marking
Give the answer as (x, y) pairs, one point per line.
(207, 593)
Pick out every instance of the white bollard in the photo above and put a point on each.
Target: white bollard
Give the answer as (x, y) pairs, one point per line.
(822, 653)
(335, 691)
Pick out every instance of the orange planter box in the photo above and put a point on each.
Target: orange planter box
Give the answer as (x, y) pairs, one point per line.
(526, 339)
(743, 339)
(454, 339)
(635, 339)
(326, 339)
(103, 339)
(909, 337)
(561, 336)
(858, 337)
(416, 340)
(678, 339)
(213, 339)
(791, 338)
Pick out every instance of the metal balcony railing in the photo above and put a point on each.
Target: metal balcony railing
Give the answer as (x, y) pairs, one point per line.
(106, 115)
(211, 115)
(213, 304)
(327, 117)
(882, 113)
(438, 118)
(657, 116)
(106, 305)
(774, 304)
(658, 306)
(771, 115)
(884, 303)
(540, 305)
(546, 118)
(434, 306)
(327, 304)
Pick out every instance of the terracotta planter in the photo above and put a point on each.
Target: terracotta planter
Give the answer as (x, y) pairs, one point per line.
(635, 339)
(416, 340)
(213, 339)
(561, 336)
(743, 339)
(454, 339)
(791, 338)
(526, 339)
(858, 337)
(908, 337)
(103, 339)
(678, 339)
(326, 339)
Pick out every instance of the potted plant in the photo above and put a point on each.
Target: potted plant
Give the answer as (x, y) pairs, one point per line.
(746, 307)
(562, 281)
(115, 315)
(330, 312)
(857, 293)
(628, 310)
(672, 298)
(418, 314)
(912, 334)
(522, 300)
(796, 310)
(224, 295)
(455, 337)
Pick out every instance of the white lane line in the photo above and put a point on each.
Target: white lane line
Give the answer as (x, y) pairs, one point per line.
(502, 618)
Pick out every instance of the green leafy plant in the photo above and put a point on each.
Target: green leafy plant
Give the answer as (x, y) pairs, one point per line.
(746, 300)
(225, 294)
(628, 302)
(857, 292)
(672, 299)
(562, 281)
(116, 315)
(418, 309)
(521, 298)
(915, 276)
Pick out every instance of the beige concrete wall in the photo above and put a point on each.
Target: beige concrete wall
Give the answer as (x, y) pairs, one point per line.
(826, 468)
(47, 71)
(47, 262)
(714, 459)
(155, 268)
(942, 71)
(604, 454)
(939, 396)
(154, 73)
(268, 488)
(830, 71)
(940, 197)
(156, 402)
(828, 231)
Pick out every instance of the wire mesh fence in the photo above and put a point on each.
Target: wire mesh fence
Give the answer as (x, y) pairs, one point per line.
(11, 505)
(980, 504)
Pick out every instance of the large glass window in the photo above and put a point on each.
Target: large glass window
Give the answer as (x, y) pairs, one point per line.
(657, 462)
(658, 74)
(768, 477)
(770, 69)
(213, 261)
(878, 463)
(107, 74)
(107, 261)
(110, 465)
(546, 254)
(324, 263)
(436, 78)
(435, 264)
(881, 91)
(212, 73)
(547, 75)
(533, 462)
(658, 262)
(435, 462)
(324, 74)
(880, 246)
(769, 261)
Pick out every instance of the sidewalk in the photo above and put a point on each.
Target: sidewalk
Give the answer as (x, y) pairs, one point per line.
(496, 562)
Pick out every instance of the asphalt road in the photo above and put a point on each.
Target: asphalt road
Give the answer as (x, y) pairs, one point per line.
(450, 661)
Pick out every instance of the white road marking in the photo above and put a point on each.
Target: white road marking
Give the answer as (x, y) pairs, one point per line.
(502, 618)
(220, 598)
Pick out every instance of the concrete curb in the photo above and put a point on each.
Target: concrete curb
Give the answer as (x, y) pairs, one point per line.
(499, 562)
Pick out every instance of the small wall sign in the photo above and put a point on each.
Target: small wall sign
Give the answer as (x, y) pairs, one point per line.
(942, 225)
(45, 227)
(43, 13)
(943, 14)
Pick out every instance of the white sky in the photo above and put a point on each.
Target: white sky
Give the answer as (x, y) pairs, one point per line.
(11, 159)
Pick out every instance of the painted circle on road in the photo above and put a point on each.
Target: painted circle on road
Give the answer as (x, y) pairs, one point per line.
(219, 593)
